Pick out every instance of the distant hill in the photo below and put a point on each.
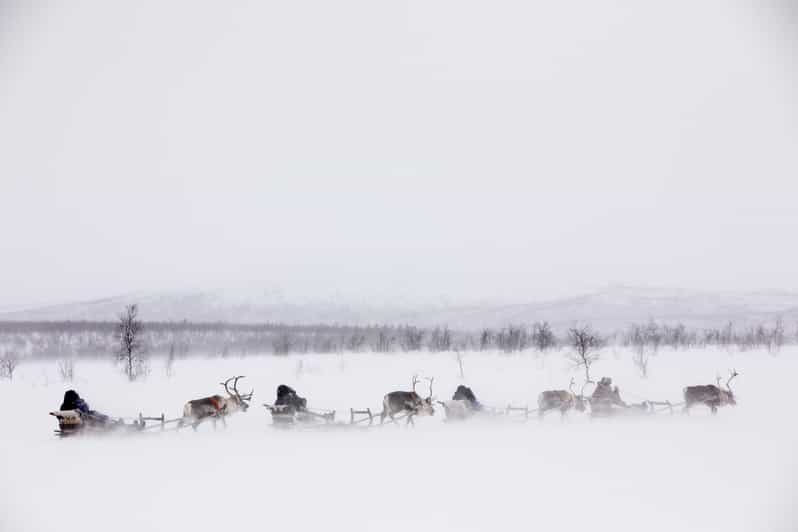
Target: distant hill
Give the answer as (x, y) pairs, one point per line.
(608, 309)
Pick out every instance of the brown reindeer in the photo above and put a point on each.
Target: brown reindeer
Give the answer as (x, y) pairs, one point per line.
(711, 395)
(216, 406)
(561, 400)
(410, 402)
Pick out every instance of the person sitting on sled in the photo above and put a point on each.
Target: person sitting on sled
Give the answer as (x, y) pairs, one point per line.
(72, 401)
(605, 396)
(464, 393)
(289, 400)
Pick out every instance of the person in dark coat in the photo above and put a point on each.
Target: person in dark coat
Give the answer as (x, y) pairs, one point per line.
(287, 396)
(605, 397)
(464, 393)
(72, 401)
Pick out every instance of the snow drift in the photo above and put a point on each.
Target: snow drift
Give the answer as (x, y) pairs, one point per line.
(733, 471)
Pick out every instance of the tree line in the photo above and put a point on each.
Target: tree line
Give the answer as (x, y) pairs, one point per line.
(98, 339)
(133, 342)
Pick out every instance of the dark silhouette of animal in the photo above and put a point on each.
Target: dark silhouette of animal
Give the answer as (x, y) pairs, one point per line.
(710, 395)
(562, 400)
(216, 406)
(408, 402)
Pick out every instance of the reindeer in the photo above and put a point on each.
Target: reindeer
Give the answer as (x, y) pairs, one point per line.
(216, 406)
(561, 400)
(396, 402)
(711, 395)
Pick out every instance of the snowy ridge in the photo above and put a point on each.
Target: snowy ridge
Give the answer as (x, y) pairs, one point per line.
(607, 309)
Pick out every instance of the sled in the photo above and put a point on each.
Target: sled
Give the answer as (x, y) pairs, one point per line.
(645, 408)
(74, 422)
(287, 415)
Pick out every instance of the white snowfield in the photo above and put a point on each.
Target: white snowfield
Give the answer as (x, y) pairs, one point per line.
(736, 471)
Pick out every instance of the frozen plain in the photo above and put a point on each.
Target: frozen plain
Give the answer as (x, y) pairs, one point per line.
(736, 471)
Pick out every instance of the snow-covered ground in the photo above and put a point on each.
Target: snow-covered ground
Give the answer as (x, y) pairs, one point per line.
(735, 471)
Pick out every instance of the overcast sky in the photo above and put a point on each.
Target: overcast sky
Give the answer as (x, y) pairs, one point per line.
(498, 150)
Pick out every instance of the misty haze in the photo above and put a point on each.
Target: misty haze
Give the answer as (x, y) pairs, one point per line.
(398, 265)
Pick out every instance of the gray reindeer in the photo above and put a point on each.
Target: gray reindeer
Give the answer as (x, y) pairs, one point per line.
(710, 395)
(410, 402)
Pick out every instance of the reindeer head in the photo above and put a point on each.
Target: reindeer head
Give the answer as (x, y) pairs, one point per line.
(727, 395)
(424, 405)
(240, 401)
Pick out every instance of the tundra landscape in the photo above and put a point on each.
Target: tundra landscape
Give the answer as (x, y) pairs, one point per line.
(732, 471)
(398, 266)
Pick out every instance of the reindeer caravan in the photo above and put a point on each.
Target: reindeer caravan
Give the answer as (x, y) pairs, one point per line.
(605, 401)
(290, 410)
(76, 418)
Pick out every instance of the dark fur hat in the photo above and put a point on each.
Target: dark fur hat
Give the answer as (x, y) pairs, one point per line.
(284, 390)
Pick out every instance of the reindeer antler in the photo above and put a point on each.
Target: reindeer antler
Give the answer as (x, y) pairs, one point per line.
(225, 385)
(733, 373)
(571, 385)
(235, 383)
(415, 381)
(431, 379)
(235, 392)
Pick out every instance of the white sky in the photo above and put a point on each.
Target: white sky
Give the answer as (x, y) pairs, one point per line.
(499, 150)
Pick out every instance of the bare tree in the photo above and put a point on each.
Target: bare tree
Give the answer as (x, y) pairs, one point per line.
(512, 338)
(460, 364)
(542, 336)
(283, 344)
(586, 345)
(640, 359)
(355, 342)
(383, 343)
(66, 368)
(8, 364)
(485, 339)
(644, 340)
(131, 348)
(169, 367)
(440, 339)
(777, 340)
(411, 338)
